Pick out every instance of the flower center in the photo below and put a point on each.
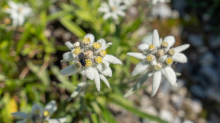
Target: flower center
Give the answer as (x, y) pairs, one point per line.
(88, 54)
(96, 45)
(88, 63)
(76, 44)
(150, 57)
(113, 8)
(169, 60)
(160, 53)
(157, 66)
(46, 113)
(164, 44)
(98, 59)
(102, 53)
(77, 50)
(20, 10)
(171, 52)
(78, 65)
(152, 47)
(86, 41)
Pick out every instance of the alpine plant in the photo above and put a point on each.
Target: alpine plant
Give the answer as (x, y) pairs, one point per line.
(90, 59)
(40, 114)
(157, 58)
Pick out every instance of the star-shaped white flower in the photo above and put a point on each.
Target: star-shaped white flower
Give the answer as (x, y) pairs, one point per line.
(112, 9)
(91, 59)
(158, 58)
(40, 115)
(18, 12)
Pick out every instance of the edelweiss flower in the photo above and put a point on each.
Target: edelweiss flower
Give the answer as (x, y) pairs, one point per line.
(40, 115)
(91, 59)
(18, 12)
(113, 9)
(158, 58)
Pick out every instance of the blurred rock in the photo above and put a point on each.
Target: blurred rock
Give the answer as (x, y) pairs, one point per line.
(213, 94)
(196, 106)
(207, 59)
(195, 40)
(214, 42)
(177, 100)
(166, 115)
(210, 75)
(197, 91)
(161, 10)
(188, 121)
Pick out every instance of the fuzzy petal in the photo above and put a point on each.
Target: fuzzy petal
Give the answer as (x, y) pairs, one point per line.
(104, 8)
(156, 82)
(169, 74)
(181, 48)
(69, 45)
(20, 114)
(102, 77)
(143, 47)
(140, 68)
(51, 107)
(68, 56)
(105, 63)
(60, 120)
(162, 59)
(121, 13)
(179, 57)
(137, 55)
(90, 73)
(112, 59)
(96, 79)
(13, 5)
(170, 40)
(107, 72)
(68, 71)
(107, 16)
(156, 39)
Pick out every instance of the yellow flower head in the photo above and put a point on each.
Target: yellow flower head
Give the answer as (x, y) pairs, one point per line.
(171, 52)
(150, 57)
(88, 63)
(86, 41)
(98, 59)
(152, 47)
(164, 44)
(169, 60)
(77, 50)
(102, 53)
(96, 45)
(46, 113)
(157, 66)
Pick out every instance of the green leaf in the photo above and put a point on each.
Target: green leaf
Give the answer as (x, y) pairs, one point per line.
(94, 118)
(76, 92)
(137, 85)
(56, 15)
(73, 27)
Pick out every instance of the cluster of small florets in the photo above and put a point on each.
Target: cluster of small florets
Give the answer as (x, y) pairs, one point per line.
(161, 56)
(88, 55)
